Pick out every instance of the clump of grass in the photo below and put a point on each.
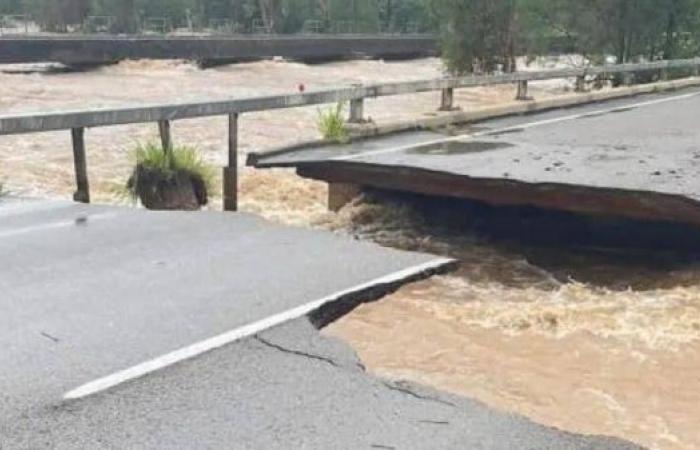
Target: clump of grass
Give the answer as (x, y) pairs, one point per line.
(331, 124)
(157, 172)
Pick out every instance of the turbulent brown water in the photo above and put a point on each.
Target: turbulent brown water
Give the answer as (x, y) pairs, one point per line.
(589, 341)
(585, 340)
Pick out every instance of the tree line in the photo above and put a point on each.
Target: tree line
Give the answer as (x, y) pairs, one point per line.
(274, 16)
(481, 35)
(477, 35)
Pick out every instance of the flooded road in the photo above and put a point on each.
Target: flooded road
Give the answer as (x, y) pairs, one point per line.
(590, 341)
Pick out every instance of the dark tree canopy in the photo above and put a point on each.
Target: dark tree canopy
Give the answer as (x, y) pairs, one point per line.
(477, 35)
(482, 34)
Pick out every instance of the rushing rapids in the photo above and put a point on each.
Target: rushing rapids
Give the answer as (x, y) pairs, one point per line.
(586, 339)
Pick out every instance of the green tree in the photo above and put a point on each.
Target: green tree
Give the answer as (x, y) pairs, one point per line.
(11, 7)
(123, 11)
(480, 35)
(628, 30)
(57, 15)
(405, 16)
(175, 11)
(477, 35)
(359, 16)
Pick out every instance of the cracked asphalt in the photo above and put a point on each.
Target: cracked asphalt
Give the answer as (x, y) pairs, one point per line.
(287, 388)
(88, 290)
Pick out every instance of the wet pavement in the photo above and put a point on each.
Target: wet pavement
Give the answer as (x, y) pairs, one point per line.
(92, 290)
(637, 156)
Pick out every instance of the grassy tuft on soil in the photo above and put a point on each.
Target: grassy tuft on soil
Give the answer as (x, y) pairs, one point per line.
(154, 164)
(331, 124)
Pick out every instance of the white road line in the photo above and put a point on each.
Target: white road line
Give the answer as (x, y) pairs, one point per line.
(80, 219)
(526, 125)
(229, 337)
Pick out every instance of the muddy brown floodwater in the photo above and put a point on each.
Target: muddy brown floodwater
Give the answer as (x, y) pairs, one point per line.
(578, 339)
(584, 341)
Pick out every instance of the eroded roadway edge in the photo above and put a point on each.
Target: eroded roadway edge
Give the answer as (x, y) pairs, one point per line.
(65, 318)
(283, 389)
(635, 157)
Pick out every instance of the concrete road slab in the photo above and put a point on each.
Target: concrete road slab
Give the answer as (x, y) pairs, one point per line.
(650, 144)
(89, 291)
(638, 156)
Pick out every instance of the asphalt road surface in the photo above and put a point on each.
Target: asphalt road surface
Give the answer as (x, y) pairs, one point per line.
(646, 143)
(91, 291)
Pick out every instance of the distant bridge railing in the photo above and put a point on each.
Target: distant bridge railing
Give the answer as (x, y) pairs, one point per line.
(163, 114)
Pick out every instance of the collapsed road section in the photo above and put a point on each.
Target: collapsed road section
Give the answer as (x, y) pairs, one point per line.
(128, 328)
(634, 158)
(126, 292)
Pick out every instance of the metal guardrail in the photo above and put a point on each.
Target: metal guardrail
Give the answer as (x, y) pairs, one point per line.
(163, 114)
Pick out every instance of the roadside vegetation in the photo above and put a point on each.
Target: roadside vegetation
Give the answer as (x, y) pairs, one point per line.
(487, 35)
(178, 179)
(331, 124)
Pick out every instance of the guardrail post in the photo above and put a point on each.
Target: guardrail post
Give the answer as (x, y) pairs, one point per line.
(165, 137)
(357, 108)
(627, 79)
(447, 101)
(82, 193)
(580, 84)
(663, 74)
(230, 188)
(522, 91)
(696, 70)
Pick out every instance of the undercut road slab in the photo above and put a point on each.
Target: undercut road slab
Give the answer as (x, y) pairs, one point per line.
(90, 291)
(636, 157)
